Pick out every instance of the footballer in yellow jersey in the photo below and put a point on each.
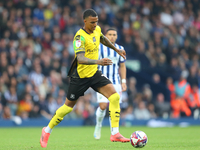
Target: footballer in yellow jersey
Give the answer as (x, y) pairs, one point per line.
(84, 74)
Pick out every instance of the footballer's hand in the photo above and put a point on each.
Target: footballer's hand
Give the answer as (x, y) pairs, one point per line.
(124, 87)
(104, 62)
(121, 52)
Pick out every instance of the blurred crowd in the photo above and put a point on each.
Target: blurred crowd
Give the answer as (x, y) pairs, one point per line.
(36, 52)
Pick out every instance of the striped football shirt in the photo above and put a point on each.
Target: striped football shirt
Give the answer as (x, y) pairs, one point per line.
(111, 71)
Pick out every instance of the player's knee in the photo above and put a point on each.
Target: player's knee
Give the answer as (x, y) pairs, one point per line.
(114, 98)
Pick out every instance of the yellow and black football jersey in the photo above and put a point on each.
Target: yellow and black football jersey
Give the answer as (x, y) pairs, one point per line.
(88, 44)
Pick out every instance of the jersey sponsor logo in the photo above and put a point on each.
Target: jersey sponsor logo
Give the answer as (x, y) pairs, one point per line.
(78, 43)
(92, 50)
(72, 96)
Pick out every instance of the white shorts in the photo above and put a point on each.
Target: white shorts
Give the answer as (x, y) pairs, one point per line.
(103, 99)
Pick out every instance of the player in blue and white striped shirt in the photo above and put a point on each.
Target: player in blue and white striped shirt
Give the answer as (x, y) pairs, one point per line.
(111, 72)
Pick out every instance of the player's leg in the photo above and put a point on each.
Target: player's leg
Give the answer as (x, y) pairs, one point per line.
(118, 89)
(56, 119)
(103, 85)
(114, 111)
(60, 114)
(114, 108)
(101, 111)
(100, 114)
(76, 89)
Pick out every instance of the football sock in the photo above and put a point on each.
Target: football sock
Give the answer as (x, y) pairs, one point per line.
(48, 129)
(100, 114)
(59, 115)
(114, 109)
(114, 130)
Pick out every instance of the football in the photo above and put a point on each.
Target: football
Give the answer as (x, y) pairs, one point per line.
(138, 139)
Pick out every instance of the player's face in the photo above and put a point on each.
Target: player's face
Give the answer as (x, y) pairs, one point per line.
(91, 23)
(112, 35)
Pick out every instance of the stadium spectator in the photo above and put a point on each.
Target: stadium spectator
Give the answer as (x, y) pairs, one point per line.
(147, 94)
(179, 107)
(183, 88)
(11, 100)
(36, 77)
(52, 105)
(192, 78)
(46, 65)
(44, 88)
(151, 109)
(194, 98)
(25, 106)
(162, 108)
(131, 91)
(156, 78)
(141, 112)
(35, 111)
(6, 113)
(44, 110)
(128, 113)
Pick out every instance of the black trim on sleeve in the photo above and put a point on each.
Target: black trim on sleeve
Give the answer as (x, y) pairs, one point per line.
(80, 52)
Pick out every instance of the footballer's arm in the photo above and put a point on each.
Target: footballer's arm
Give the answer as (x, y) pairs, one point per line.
(105, 41)
(84, 60)
(123, 76)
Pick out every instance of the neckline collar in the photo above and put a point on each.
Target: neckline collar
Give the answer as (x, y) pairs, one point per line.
(86, 31)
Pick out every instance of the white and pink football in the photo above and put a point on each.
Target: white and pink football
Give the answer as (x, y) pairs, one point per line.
(138, 139)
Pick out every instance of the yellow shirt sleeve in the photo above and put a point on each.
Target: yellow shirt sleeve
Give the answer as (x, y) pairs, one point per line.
(79, 44)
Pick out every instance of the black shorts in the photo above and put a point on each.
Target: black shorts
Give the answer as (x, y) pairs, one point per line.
(78, 86)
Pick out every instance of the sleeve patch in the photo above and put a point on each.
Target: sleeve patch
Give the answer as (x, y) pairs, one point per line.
(78, 43)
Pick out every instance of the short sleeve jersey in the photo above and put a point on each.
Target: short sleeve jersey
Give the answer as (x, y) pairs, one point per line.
(89, 44)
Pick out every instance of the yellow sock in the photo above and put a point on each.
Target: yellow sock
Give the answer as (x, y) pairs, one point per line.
(114, 110)
(59, 115)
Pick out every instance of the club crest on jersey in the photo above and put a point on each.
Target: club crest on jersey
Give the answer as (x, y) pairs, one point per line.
(94, 40)
(78, 43)
(77, 37)
(72, 96)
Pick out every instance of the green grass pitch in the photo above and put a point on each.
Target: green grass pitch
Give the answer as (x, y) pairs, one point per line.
(81, 138)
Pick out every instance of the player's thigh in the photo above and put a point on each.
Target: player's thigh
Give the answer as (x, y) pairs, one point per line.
(107, 90)
(103, 99)
(102, 84)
